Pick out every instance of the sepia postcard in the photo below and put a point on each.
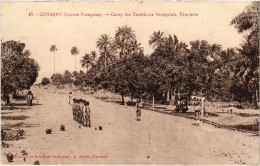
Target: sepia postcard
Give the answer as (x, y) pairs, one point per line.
(130, 83)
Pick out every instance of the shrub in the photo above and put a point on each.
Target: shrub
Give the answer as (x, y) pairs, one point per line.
(45, 81)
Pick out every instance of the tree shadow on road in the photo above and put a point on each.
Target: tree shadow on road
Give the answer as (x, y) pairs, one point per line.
(25, 104)
(18, 125)
(254, 135)
(251, 127)
(14, 108)
(20, 117)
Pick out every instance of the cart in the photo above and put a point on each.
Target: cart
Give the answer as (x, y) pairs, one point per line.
(181, 102)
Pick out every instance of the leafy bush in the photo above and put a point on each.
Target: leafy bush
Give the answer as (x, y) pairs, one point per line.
(45, 81)
(57, 79)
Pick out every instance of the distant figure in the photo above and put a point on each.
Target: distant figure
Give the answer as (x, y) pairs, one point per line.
(77, 110)
(138, 110)
(138, 113)
(74, 108)
(197, 111)
(70, 96)
(86, 112)
(29, 98)
(141, 103)
(81, 112)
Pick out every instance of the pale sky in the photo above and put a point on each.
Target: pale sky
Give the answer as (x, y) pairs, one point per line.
(40, 32)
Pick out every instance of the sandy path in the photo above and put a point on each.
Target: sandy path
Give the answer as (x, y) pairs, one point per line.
(157, 139)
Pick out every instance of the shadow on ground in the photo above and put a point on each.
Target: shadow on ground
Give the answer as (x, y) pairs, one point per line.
(14, 108)
(20, 117)
(25, 104)
(18, 125)
(253, 127)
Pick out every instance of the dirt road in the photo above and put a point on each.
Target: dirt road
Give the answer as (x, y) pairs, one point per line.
(156, 139)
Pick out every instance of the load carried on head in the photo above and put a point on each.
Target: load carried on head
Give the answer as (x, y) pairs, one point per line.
(182, 100)
(198, 103)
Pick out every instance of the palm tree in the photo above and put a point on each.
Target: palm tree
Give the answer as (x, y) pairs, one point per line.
(93, 55)
(248, 20)
(74, 51)
(123, 38)
(135, 47)
(104, 43)
(87, 60)
(156, 39)
(53, 49)
(177, 48)
(125, 33)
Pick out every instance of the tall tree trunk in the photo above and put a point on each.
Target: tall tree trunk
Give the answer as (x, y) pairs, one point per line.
(105, 60)
(153, 100)
(254, 102)
(168, 95)
(162, 97)
(6, 99)
(173, 96)
(14, 94)
(123, 100)
(122, 53)
(75, 63)
(257, 98)
(132, 97)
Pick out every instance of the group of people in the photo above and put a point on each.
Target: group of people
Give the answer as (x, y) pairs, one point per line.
(199, 105)
(81, 112)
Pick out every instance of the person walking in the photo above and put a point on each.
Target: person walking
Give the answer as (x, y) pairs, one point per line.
(138, 110)
(81, 105)
(74, 109)
(70, 97)
(198, 110)
(29, 98)
(86, 112)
